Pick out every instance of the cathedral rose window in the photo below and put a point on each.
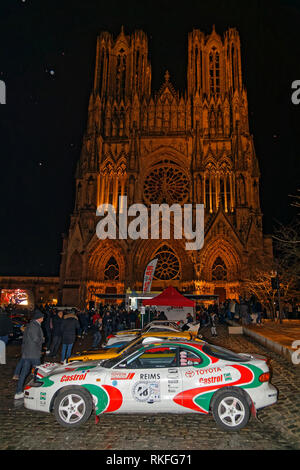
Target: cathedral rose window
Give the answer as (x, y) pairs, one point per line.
(166, 184)
(167, 267)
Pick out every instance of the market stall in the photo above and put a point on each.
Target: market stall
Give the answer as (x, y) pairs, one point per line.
(174, 305)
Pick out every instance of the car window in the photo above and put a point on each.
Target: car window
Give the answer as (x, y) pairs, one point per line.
(164, 356)
(153, 357)
(222, 353)
(159, 328)
(189, 358)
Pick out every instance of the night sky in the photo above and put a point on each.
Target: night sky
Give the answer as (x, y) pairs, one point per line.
(47, 54)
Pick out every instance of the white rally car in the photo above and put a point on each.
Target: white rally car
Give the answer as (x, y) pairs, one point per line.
(121, 337)
(174, 376)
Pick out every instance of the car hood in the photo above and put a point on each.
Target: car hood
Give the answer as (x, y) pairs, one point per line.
(101, 354)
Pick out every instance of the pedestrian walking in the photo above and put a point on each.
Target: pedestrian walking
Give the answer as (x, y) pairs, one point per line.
(213, 323)
(47, 330)
(132, 318)
(32, 343)
(232, 306)
(84, 322)
(245, 312)
(70, 326)
(57, 321)
(259, 311)
(97, 330)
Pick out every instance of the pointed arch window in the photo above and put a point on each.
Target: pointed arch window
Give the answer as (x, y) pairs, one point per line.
(214, 72)
(121, 73)
(168, 267)
(219, 270)
(111, 270)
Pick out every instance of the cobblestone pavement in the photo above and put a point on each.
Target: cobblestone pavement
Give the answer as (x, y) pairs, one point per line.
(22, 429)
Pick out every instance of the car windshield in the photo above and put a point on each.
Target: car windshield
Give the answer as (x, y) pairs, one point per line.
(129, 345)
(160, 326)
(134, 346)
(222, 353)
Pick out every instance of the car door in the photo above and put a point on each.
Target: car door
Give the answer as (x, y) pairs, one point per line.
(149, 380)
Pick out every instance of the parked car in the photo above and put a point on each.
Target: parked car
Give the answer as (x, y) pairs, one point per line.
(153, 327)
(118, 349)
(19, 324)
(160, 377)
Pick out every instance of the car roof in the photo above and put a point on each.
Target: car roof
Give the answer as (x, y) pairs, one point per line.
(161, 321)
(177, 340)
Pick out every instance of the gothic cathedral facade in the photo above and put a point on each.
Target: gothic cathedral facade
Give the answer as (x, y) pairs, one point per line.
(166, 147)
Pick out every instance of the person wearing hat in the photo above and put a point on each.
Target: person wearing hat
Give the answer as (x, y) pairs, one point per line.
(32, 343)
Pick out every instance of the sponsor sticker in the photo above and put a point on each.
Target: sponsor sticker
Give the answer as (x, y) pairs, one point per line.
(149, 376)
(146, 392)
(42, 398)
(216, 379)
(189, 373)
(71, 378)
(122, 375)
(210, 370)
(227, 377)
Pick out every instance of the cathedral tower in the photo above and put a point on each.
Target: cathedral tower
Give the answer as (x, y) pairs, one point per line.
(166, 147)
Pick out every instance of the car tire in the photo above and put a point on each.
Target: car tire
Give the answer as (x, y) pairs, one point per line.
(73, 406)
(231, 410)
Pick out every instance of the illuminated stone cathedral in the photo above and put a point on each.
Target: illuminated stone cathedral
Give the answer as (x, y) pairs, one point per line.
(166, 147)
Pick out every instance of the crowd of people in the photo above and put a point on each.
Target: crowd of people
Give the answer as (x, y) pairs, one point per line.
(50, 328)
(244, 311)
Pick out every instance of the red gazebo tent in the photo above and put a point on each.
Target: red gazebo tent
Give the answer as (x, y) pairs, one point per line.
(170, 297)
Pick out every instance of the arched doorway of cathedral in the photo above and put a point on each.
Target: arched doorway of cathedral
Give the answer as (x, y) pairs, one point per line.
(106, 269)
(221, 293)
(173, 264)
(221, 266)
(110, 290)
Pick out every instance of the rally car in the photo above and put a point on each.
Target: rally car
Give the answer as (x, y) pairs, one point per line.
(120, 348)
(122, 337)
(160, 377)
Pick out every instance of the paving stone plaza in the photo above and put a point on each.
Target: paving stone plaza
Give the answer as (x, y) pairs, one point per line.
(278, 427)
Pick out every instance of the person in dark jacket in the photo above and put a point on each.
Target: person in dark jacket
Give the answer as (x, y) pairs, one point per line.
(70, 326)
(107, 323)
(162, 316)
(97, 330)
(46, 327)
(213, 318)
(32, 343)
(57, 321)
(6, 326)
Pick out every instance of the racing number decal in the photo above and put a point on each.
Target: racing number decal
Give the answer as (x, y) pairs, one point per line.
(146, 392)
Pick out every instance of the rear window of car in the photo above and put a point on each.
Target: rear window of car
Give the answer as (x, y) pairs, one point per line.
(222, 353)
